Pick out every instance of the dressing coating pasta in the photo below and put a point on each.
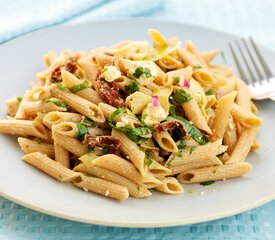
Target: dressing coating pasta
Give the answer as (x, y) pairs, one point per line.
(122, 120)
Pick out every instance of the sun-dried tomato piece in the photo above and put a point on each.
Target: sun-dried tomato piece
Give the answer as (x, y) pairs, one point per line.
(102, 141)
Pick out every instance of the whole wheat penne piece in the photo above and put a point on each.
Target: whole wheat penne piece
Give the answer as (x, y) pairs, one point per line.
(208, 56)
(214, 173)
(23, 128)
(32, 108)
(244, 96)
(50, 167)
(170, 185)
(90, 69)
(214, 161)
(199, 153)
(103, 173)
(55, 117)
(223, 113)
(61, 155)
(247, 119)
(89, 94)
(66, 129)
(243, 146)
(39, 93)
(71, 144)
(131, 149)
(165, 141)
(158, 170)
(80, 104)
(29, 146)
(102, 187)
(190, 46)
(120, 166)
(150, 181)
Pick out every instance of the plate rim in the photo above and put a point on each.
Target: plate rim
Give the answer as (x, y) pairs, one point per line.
(120, 223)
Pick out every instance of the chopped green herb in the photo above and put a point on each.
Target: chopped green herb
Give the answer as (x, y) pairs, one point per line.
(182, 144)
(176, 80)
(82, 131)
(192, 149)
(61, 86)
(79, 87)
(197, 66)
(114, 114)
(172, 110)
(57, 103)
(191, 130)
(223, 56)
(87, 122)
(210, 92)
(207, 183)
(90, 149)
(19, 98)
(180, 154)
(181, 96)
(140, 70)
(132, 87)
(139, 134)
(149, 160)
(104, 70)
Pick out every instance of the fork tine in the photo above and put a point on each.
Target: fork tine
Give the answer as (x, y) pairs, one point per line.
(260, 75)
(267, 71)
(241, 72)
(246, 63)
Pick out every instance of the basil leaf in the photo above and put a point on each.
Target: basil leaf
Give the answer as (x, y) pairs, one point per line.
(138, 135)
(87, 122)
(132, 87)
(61, 86)
(82, 131)
(181, 96)
(114, 114)
(195, 133)
(172, 111)
(57, 103)
(207, 183)
(79, 87)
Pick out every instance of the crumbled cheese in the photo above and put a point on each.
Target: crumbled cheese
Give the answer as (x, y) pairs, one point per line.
(131, 66)
(153, 114)
(85, 189)
(137, 102)
(201, 193)
(110, 73)
(124, 122)
(107, 193)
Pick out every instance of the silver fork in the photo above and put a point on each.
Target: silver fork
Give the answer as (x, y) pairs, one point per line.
(253, 69)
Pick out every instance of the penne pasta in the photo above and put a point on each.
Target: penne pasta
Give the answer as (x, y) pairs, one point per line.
(170, 185)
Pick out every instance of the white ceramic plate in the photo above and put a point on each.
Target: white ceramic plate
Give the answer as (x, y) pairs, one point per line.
(21, 58)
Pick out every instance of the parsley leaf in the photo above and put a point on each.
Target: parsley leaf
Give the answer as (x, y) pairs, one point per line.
(82, 131)
(176, 80)
(195, 133)
(210, 92)
(192, 149)
(79, 87)
(140, 70)
(132, 87)
(57, 103)
(207, 183)
(61, 86)
(90, 149)
(182, 144)
(181, 96)
(114, 114)
(19, 98)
